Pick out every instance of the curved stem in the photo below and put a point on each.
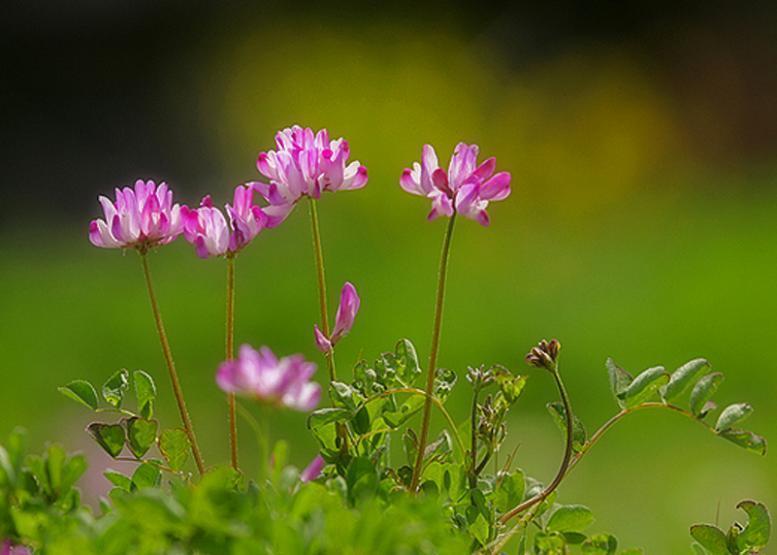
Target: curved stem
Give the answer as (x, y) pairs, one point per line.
(230, 354)
(565, 462)
(168, 355)
(436, 328)
(320, 275)
(435, 400)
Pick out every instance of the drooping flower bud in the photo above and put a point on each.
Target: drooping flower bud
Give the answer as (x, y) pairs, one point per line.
(544, 355)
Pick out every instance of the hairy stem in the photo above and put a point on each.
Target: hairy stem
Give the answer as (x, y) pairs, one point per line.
(230, 354)
(321, 276)
(168, 355)
(436, 328)
(565, 462)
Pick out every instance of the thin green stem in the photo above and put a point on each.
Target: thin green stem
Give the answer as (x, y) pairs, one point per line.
(230, 354)
(168, 355)
(436, 328)
(565, 462)
(321, 276)
(473, 478)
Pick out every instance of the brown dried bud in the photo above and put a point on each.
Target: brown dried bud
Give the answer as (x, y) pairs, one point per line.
(544, 355)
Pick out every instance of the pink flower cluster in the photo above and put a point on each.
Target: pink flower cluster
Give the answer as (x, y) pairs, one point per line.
(306, 164)
(346, 314)
(465, 188)
(264, 377)
(212, 234)
(8, 548)
(141, 217)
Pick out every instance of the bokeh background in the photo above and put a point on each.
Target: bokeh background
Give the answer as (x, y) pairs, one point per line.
(641, 137)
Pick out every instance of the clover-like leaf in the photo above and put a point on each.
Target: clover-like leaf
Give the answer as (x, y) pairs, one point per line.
(619, 379)
(711, 538)
(174, 446)
(756, 534)
(733, 415)
(644, 386)
(570, 518)
(703, 391)
(444, 381)
(749, 440)
(509, 490)
(145, 392)
(600, 544)
(118, 479)
(579, 435)
(406, 362)
(682, 378)
(82, 392)
(111, 437)
(115, 387)
(146, 475)
(141, 434)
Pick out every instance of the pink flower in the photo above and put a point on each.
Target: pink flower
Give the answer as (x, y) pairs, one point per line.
(264, 377)
(213, 235)
(313, 470)
(141, 217)
(346, 314)
(8, 548)
(306, 164)
(465, 188)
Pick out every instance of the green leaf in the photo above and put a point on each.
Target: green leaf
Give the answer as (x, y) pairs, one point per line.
(141, 434)
(82, 392)
(570, 518)
(72, 471)
(115, 387)
(509, 491)
(552, 543)
(510, 386)
(407, 368)
(711, 538)
(444, 381)
(322, 417)
(110, 437)
(406, 411)
(145, 392)
(682, 378)
(748, 440)
(118, 479)
(703, 391)
(579, 435)
(344, 395)
(362, 478)
(756, 534)
(147, 475)
(600, 544)
(410, 445)
(174, 446)
(732, 415)
(644, 386)
(619, 379)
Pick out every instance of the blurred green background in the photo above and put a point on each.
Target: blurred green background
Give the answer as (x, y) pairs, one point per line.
(642, 223)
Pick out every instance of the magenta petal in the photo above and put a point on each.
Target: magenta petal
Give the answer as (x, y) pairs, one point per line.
(313, 470)
(346, 311)
(322, 342)
(496, 188)
(94, 234)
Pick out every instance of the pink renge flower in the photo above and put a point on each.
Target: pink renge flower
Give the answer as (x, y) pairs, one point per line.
(466, 188)
(346, 314)
(142, 217)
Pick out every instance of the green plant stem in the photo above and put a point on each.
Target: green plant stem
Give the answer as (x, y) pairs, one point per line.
(230, 354)
(565, 462)
(415, 391)
(168, 355)
(436, 328)
(473, 478)
(321, 276)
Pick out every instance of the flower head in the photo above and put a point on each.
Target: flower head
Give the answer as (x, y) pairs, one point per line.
(212, 234)
(346, 314)
(9, 548)
(142, 217)
(262, 376)
(545, 354)
(465, 188)
(306, 164)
